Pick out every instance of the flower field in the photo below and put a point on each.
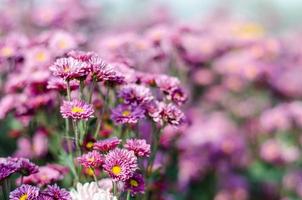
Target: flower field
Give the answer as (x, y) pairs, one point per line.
(152, 108)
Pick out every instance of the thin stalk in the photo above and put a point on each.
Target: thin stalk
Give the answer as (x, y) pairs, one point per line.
(128, 195)
(106, 98)
(154, 146)
(82, 85)
(114, 188)
(68, 91)
(94, 177)
(22, 179)
(91, 91)
(76, 132)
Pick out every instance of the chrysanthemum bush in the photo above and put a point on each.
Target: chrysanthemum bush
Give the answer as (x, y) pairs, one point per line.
(93, 94)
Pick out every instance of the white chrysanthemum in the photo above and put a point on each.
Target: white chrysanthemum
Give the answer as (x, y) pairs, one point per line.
(90, 191)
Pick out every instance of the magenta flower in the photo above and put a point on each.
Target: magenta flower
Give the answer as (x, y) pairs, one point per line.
(76, 109)
(92, 159)
(178, 96)
(55, 192)
(135, 94)
(59, 84)
(107, 144)
(24, 192)
(166, 113)
(167, 83)
(69, 68)
(118, 78)
(170, 86)
(24, 166)
(6, 169)
(120, 164)
(123, 114)
(135, 184)
(46, 175)
(61, 42)
(139, 147)
(81, 55)
(100, 70)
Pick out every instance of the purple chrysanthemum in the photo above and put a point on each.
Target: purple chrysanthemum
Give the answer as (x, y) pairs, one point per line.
(24, 192)
(69, 68)
(135, 94)
(135, 184)
(56, 193)
(167, 83)
(24, 166)
(123, 114)
(178, 96)
(139, 147)
(6, 169)
(92, 159)
(170, 86)
(166, 113)
(76, 109)
(120, 164)
(100, 70)
(118, 78)
(107, 144)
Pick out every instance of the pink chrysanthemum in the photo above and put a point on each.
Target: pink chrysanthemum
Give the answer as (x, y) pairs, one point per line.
(76, 109)
(81, 55)
(69, 68)
(166, 113)
(46, 175)
(139, 147)
(107, 144)
(59, 84)
(91, 159)
(100, 70)
(120, 164)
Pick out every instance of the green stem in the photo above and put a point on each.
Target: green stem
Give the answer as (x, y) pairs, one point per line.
(128, 195)
(91, 92)
(114, 188)
(68, 91)
(76, 131)
(106, 98)
(94, 177)
(82, 96)
(154, 146)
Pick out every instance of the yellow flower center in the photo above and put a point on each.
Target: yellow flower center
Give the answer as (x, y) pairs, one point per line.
(249, 30)
(40, 56)
(116, 170)
(91, 159)
(133, 183)
(6, 51)
(77, 110)
(23, 197)
(62, 44)
(89, 171)
(89, 145)
(126, 113)
(66, 68)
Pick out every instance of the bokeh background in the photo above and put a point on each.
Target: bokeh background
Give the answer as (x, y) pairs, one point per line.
(239, 61)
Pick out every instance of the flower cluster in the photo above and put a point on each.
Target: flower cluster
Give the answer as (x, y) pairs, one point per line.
(29, 192)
